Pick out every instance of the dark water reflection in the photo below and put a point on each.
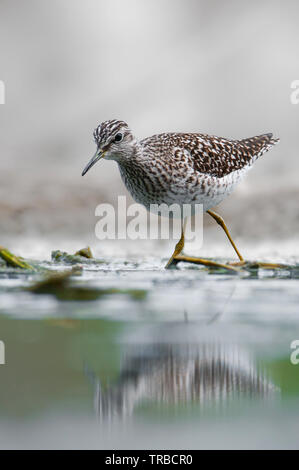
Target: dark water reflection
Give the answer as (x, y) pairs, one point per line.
(95, 383)
(181, 375)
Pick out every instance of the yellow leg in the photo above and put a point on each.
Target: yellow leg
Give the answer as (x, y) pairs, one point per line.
(176, 256)
(221, 222)
(178, 248)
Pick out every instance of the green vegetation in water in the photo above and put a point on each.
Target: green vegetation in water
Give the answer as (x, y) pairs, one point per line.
(85, 252)
(58, 284)
(82, 256)
(13, 260)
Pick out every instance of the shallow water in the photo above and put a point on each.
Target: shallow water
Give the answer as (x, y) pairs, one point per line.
(188, 358)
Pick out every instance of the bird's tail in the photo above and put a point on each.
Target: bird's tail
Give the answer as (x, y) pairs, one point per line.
(259, 144)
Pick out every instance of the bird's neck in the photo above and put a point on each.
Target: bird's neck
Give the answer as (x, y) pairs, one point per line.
(133, 159)
(135, 172)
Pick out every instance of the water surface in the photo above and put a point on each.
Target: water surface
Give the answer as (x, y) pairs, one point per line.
(188, 358)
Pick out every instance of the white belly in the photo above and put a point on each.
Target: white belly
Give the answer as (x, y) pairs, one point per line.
(203, 190)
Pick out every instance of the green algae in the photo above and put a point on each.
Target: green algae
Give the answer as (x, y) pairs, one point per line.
(81, 256)
(13, 260)
(58, 284)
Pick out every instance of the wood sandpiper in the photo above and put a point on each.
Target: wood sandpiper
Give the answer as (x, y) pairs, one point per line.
(182, 168)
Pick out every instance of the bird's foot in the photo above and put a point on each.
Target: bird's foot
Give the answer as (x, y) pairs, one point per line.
(174, 260)
(239, 263)
(236, 266)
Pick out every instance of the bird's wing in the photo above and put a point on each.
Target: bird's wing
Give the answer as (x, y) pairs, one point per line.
(217, 156)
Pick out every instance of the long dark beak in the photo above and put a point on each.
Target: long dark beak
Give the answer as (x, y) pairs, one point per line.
(97, 156)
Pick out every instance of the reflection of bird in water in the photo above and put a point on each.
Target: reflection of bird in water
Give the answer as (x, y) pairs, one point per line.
(181, 375)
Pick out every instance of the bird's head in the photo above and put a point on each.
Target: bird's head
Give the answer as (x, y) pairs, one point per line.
(114, 141)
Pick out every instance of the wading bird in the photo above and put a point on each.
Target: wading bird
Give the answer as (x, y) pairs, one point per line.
(182, 168)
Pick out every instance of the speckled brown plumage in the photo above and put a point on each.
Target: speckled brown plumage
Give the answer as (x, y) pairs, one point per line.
(183, 168)
(211, 155)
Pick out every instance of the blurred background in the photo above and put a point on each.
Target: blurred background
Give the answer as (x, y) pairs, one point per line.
(223, 68)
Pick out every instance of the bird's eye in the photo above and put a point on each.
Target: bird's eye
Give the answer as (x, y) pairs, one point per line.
(118, 137)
